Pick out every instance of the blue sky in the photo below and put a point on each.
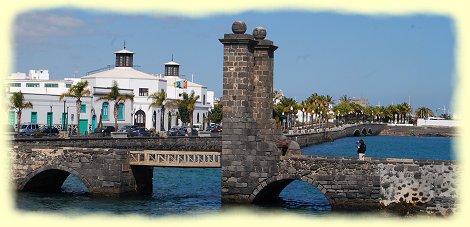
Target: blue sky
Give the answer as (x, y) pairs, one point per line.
(386, 59)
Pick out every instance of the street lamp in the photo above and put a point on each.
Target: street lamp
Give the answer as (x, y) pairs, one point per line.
(291, 116)
(50, 123)
(63, 118)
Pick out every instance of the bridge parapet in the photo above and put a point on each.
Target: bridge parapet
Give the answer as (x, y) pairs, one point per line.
(426, 186)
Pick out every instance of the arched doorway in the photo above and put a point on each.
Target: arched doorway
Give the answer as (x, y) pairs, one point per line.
(139, 118)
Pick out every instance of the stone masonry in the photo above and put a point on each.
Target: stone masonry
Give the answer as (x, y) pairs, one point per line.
(105, 172)
(247, 88)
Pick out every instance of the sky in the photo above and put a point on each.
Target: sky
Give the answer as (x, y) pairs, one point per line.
(386, 59)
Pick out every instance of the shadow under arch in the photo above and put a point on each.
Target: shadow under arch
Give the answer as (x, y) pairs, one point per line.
(357, 132)
(49, 179)
(269, 190)
(364, 131)
(370, 131)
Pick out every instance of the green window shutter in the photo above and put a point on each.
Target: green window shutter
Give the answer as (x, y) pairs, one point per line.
(83, 108)
(49, 119)
(121, 111)
(34, 117)
(105, 107)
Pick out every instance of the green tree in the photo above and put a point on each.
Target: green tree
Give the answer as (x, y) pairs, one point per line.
(216, 114)
(18, 103)
(77, 91)
(158, 101)
(186, 107)
(115, 96)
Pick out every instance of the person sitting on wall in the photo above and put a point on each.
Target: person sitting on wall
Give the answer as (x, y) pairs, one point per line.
(361, 150)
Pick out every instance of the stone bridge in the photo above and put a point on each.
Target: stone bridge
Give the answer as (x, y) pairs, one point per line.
(257, 160)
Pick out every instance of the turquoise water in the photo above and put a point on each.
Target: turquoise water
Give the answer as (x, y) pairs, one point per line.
(197, 190)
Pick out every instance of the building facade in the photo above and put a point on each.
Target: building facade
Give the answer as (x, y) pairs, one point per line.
(44, 94)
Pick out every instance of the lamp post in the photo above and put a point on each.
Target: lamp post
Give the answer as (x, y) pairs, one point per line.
(50, 123)
(63, 118)
(67, 120)
(291, 117)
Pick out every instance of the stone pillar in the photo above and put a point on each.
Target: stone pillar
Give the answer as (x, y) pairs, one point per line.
(247, 158)
(238, 140)
(263, 76)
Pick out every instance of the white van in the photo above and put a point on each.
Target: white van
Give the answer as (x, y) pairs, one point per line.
(28, 129)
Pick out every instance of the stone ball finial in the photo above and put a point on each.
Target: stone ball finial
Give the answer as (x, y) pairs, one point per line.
(259, 33)
(239, 27)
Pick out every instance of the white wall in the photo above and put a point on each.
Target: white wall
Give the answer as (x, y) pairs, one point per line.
(42, 104)
(425, 122)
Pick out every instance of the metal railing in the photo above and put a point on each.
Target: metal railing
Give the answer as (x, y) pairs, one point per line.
(202, 159)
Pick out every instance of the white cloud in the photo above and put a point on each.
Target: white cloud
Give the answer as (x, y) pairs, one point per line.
(41, 25)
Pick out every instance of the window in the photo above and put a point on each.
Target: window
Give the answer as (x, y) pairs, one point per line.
(83, 108)
(51, 85)
(34, 117)
(32, 84)
(143, 92)
(68, 85)
(15, 84)
(203, 99)
(121, 112)
(105, 110)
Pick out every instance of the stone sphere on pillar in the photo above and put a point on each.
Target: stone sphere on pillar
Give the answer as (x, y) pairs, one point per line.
(239, 27)
(259, 33)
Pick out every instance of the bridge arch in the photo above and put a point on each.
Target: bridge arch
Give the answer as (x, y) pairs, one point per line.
(364, 131)
(357, 132)
(369, 131)
(50, 179)
(270, 189)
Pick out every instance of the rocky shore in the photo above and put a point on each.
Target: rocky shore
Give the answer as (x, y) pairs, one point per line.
(418, 131)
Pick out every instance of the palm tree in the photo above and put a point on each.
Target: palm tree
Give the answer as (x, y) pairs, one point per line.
(77, 91)
(159, 98)
(189, 102)
(117, 97)
(18, 103)
(424, 112)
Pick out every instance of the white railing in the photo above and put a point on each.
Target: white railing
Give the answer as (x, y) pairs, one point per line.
(201, 159)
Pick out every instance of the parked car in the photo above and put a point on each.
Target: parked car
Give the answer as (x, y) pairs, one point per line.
(197, 127)
(217, 129)
(28, 129)
(106, 130)
(50, 130)
(128, 128)
(177, 131)
(140, 132)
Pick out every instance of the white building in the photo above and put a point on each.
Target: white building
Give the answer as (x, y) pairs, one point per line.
(44, 93)
(61, 113)
(37, 82)
(142, 85)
